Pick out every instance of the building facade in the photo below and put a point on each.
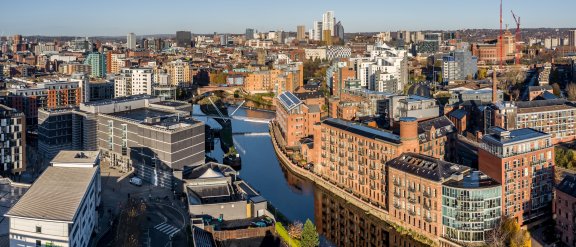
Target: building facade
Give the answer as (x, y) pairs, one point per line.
(133, 81)
(565, 210)
(295, 118)
(97, 62)
(522, 160)
(12, 141)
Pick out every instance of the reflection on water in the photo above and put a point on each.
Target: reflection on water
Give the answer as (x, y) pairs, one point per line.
(340, 223)
(260, 166)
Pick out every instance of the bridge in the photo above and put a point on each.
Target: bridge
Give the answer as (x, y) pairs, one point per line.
(241, 118)
(209, 89)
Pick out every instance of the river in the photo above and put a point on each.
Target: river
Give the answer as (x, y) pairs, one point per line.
(339, 223)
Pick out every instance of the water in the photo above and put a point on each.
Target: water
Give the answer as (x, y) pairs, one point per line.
(260, 167)
(299, 199)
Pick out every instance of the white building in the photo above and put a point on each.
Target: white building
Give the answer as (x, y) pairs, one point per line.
(317, 30)
(336, 52)
(386, 70)
(256, 43)
(131, 41)
(315, 53)
(328, 22)
(133, 81)
(59, 209)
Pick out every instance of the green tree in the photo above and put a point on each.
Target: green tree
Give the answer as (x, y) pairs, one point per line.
(309, 235)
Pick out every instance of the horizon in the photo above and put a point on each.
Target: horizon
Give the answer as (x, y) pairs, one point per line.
(80, 19)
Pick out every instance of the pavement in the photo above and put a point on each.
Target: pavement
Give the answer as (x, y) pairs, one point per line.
(161, 204)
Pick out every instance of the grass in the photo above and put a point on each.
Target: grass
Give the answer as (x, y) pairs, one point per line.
(283, 233)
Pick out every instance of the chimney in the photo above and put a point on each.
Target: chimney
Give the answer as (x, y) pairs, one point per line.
(494, 88)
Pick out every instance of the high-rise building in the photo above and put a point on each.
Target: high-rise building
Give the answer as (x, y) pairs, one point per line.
(328, 22)
(339, 31)
(179, 72)
(131, 41)
(249, 33)
(300, 32)
(317, 31)
(572, 38)
(459, 65)
(133, 81)
(97, 62)
(522, 161)
(184, 39)
(13, 149)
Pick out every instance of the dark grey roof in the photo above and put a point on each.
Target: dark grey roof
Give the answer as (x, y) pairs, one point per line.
(548, 96)
(363, 130)
(568, 185)
(288, 100)
(56, 194)
(458, 114)
(426, 166)
(473, 180)
(202, 238)
(309, 95)
(206, 191)
(540, 103)
(442, 127)
(540, 88)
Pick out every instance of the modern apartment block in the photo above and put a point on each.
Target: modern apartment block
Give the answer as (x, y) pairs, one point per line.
(565, 210)
(97, 62)
(12, 141)
(65, 129)
(471, 207)
(555, 116)
(442, 199)
(180, 72)
(59, 209)
(459, 65)
(133, 81)
(295, 118)
(389, 63)
(522, 160)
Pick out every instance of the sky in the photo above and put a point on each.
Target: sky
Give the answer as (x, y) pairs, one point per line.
(119, 17)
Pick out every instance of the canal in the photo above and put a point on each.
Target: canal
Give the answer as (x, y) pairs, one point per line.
(339, 222)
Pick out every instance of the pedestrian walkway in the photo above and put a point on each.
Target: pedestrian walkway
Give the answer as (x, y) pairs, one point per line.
(167, 229)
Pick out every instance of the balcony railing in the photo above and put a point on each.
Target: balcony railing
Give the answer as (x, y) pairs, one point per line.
(411, 188)
(411, 212)
(427, 194)
(428, 219)
(412, 200)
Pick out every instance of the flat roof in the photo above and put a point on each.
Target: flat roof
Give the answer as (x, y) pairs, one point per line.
(362, 130)
(120, 99)
(504, 137)
(473, 180)
(76, 157)
(56, 194)
(171, 103)
(426, 166)
(142, 114)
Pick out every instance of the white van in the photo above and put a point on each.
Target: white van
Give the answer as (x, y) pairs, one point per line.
(136, 181)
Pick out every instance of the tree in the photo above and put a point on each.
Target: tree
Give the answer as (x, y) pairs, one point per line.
(508, 233)
(571, 91)
(482, 72)
(309, 235)
(556, 89)
(295, 230)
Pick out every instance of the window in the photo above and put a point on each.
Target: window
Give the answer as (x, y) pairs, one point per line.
(38, 243)
(38, 229)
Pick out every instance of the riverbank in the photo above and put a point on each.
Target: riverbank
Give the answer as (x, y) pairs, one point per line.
(300, 171)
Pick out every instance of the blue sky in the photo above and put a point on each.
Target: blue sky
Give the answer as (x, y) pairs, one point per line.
(118, 17)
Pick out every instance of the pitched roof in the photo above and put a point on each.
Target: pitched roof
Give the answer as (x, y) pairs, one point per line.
(56, 195)
(568, 185)
(426, 167)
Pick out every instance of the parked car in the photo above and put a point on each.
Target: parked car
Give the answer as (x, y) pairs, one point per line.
(136, 181)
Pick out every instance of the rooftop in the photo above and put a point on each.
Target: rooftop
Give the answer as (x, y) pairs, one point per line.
(171, 103)
(505, 137)
(120, 99)
(362, 130)
(568, 185)
(289, 101)
(427, 167)
(76, 157)
(142, 114)
(56, 194)
(472, 180)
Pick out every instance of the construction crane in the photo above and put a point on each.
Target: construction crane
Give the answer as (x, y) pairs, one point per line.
(518, 38)
(501, 38)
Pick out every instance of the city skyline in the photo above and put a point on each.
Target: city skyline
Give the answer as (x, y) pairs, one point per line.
(83, 19)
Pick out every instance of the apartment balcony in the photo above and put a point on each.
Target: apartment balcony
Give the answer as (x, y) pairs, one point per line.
(323, 156)
(411, 188)
(373, 187)
(372, 176)
(332, 168)
(396, 194)
(350, 139)
(372, 157)
(350, 149)
(427, 194)
(412, 212)
(341, 145)
(342, 155)
(341, 172)
(397, 205)
(351, 159)
(426, 206)
(397, 183)
(361, 172)
(412, 200)
(323, 147)
(428, 219)
(373, 166)
(351, 168)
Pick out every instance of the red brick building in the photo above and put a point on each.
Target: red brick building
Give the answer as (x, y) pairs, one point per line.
(522, 160)
(295, 119)
(565, 210)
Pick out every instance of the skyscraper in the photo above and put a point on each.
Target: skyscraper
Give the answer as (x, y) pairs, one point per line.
(572, 38)
(131, 41)
(328, 22)
(249, 33)
(300, 32)
(317, 31)
(339, 31)
(184, 39)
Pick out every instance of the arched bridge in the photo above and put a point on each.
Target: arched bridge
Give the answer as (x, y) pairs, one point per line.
(208, 89)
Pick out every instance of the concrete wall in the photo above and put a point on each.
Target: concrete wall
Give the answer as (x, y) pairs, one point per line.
(230, 211)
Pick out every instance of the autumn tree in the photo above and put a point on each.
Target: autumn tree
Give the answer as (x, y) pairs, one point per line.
(571, 91)
(556, 89)
(508, 233)
(482, 73)
(295, 230)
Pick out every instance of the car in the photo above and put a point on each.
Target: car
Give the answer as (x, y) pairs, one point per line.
(136, 181)
(258, 224)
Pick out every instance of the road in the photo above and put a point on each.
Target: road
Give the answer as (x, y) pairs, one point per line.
(166, 225)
